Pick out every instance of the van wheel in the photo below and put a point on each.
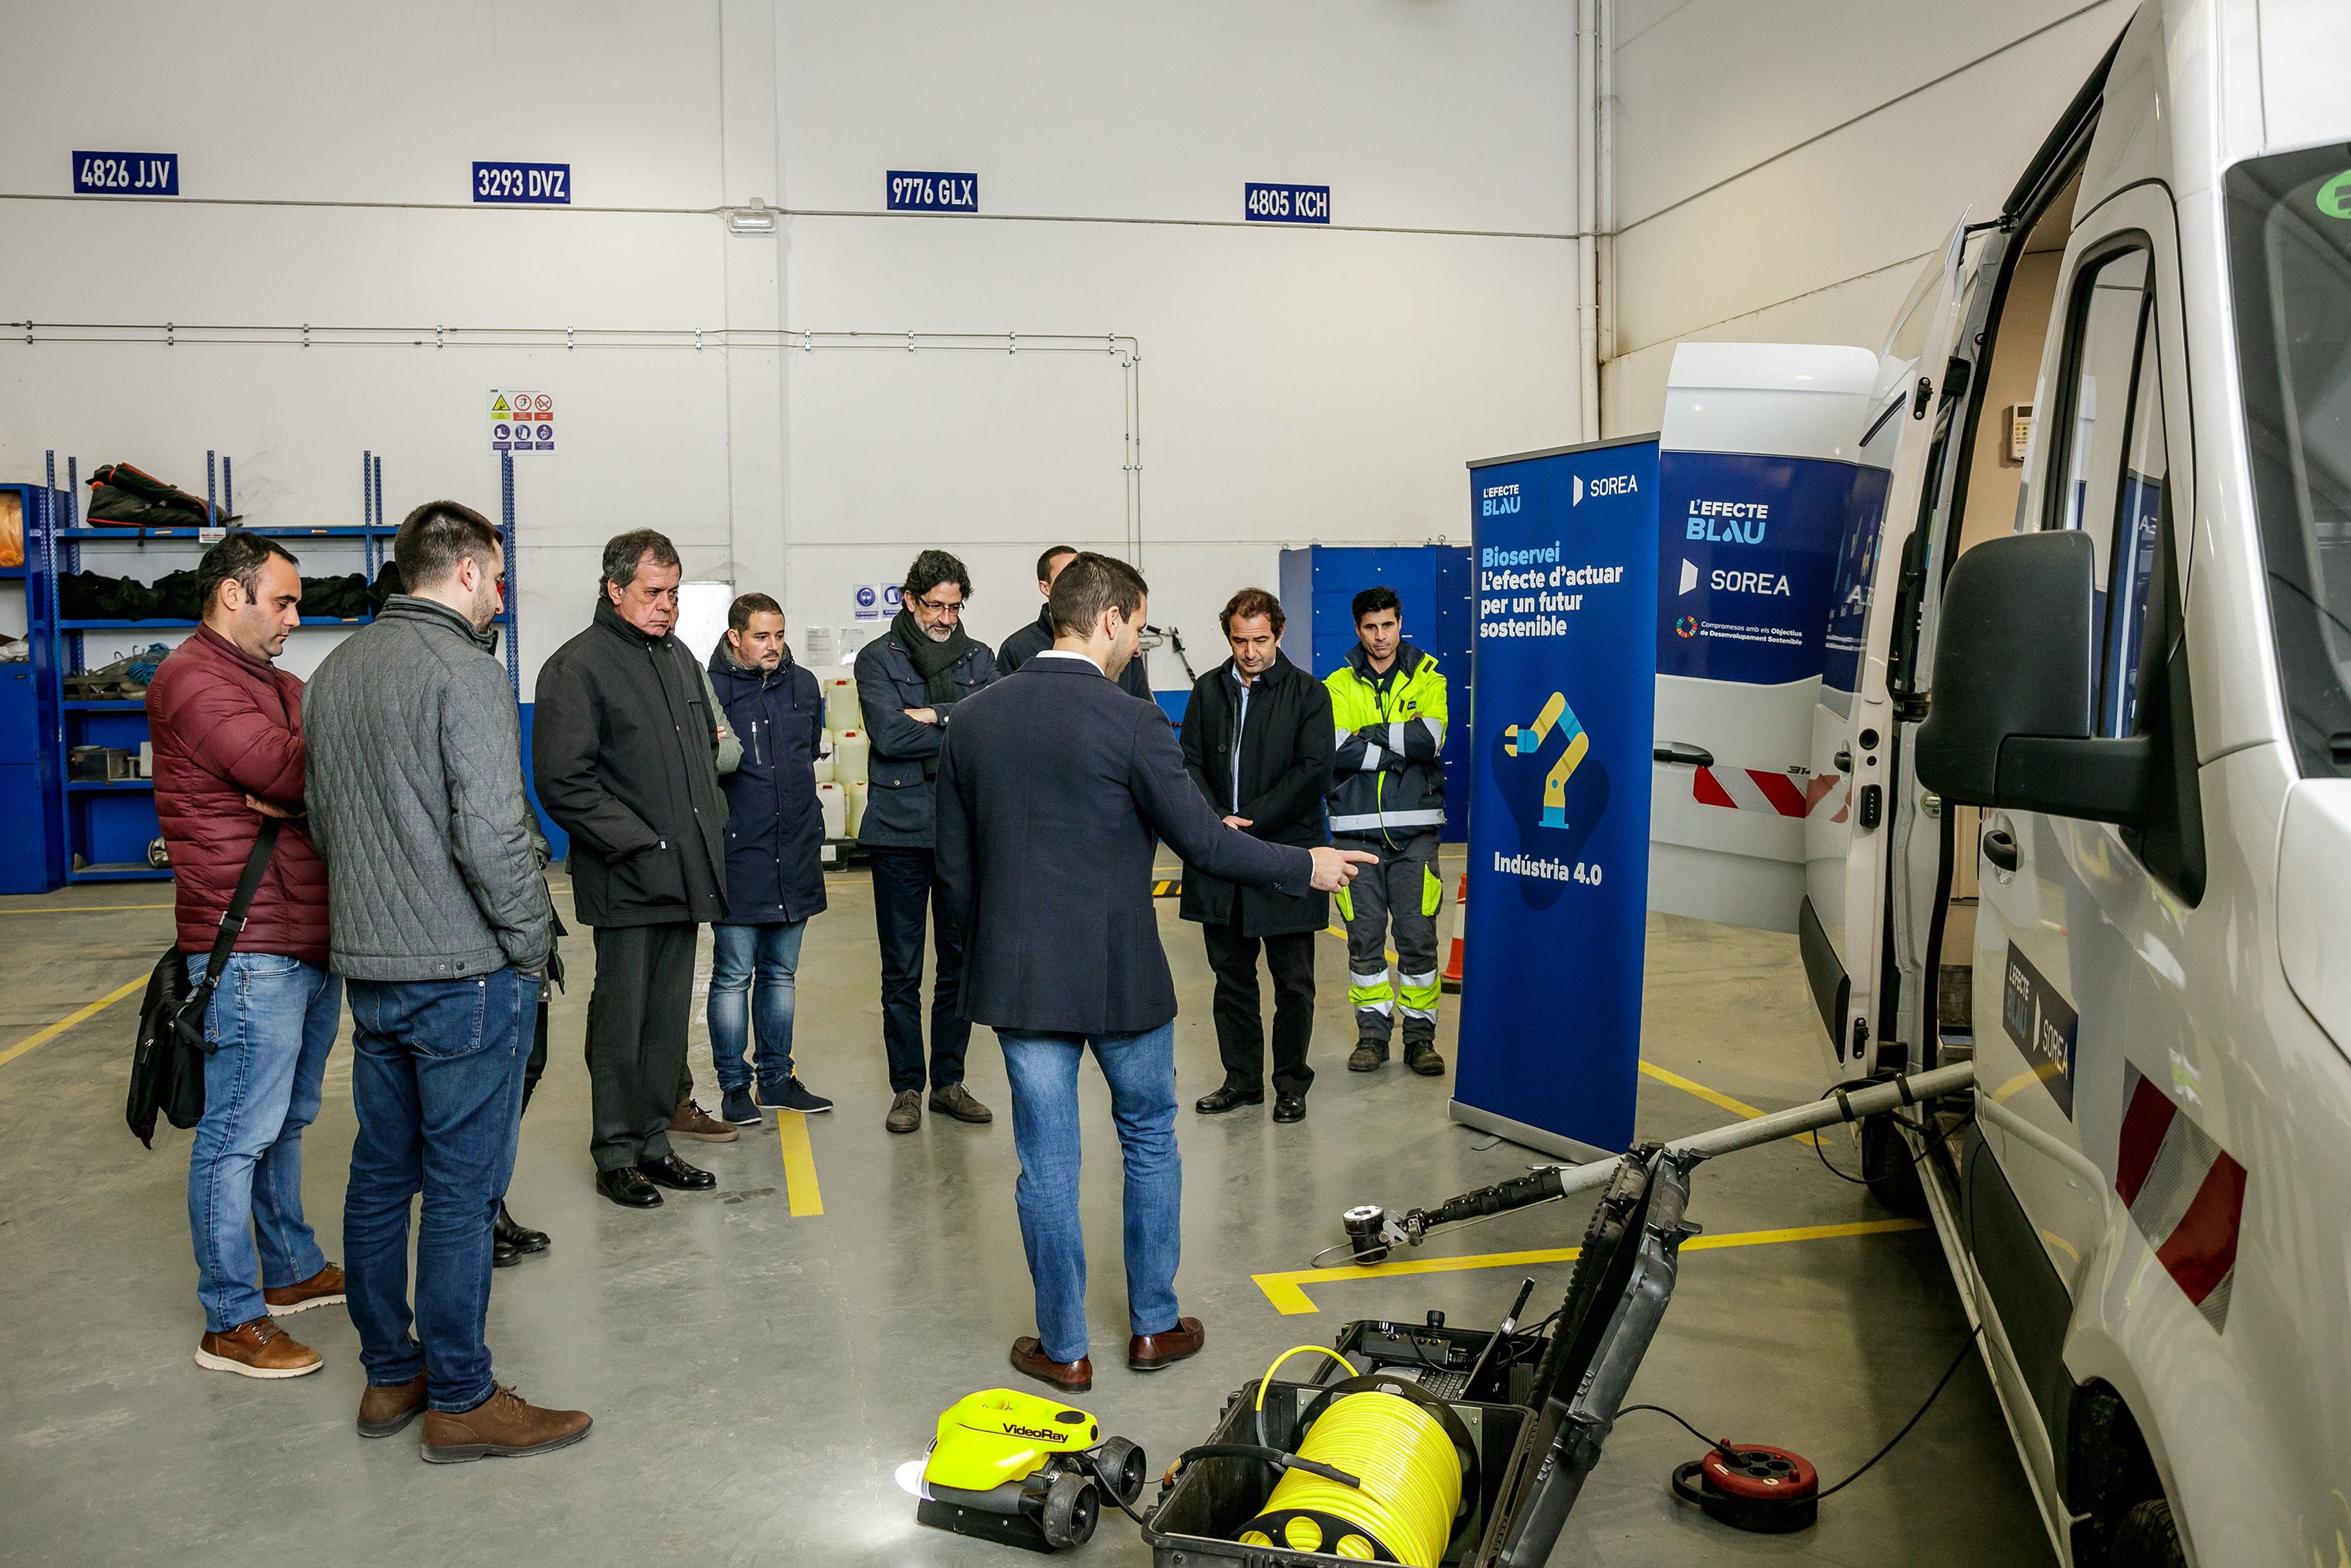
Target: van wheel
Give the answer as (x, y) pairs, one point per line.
(1890, 1168)
(2147, 1539)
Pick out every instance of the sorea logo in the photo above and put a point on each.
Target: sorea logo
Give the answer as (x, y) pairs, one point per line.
(1605, 485)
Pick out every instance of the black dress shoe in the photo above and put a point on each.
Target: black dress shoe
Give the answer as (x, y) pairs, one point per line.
(671, 1172)
(1227, 1099)
(503, 1256)
(1288, 1107)
(520, 1237)
(624, 1186)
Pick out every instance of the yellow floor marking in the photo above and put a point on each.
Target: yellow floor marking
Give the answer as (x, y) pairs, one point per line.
(1286, 1293)
(1714, 1097)
(87, 908)
(43, 1037)
(799, 1164)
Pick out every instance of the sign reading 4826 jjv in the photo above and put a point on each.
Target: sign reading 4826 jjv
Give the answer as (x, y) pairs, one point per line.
(126, 173)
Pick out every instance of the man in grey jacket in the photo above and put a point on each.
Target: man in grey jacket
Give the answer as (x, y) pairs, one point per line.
(440, 925)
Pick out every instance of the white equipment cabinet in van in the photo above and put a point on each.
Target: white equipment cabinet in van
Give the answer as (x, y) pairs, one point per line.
(2106, 693)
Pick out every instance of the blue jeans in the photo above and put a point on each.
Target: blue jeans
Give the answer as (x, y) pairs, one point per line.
(272, 1021)
(1140, 1071)
(436, 1078)
(735, 952)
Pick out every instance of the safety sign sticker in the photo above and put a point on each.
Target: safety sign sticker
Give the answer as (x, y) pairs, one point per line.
(521, 421)
(875, 601)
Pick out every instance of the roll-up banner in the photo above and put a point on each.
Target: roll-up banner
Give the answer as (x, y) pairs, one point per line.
(1565, 548)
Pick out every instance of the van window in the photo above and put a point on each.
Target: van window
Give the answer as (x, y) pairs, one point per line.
(2107, 470)
(2289, 218)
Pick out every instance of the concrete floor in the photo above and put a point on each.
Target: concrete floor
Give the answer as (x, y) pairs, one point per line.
(756, 1377)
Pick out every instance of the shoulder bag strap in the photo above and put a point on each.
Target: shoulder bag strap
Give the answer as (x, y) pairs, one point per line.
(231, 923)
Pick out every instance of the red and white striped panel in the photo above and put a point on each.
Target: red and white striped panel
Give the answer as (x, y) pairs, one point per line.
(2184, 1193)
(1757, 790)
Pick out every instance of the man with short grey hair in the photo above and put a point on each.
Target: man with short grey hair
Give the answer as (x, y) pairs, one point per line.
(625, 746)
(440, 923)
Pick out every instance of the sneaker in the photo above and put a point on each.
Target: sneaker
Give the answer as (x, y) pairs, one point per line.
(738, 1107)
(794, 1096)
(323, 1289)
(905, 1111)
(691, 1121)
(1425, 1060)
(1369, 1056)
(503, 1427)
(257, 1349)
(955, 1099)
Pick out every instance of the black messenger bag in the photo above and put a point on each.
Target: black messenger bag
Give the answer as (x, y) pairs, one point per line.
(167, 1067)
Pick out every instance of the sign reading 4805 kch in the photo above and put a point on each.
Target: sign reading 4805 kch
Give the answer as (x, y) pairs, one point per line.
(1265, 202)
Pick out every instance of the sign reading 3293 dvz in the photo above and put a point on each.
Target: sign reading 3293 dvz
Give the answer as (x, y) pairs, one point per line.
(126, 173)
(922, 191)
(532, 185)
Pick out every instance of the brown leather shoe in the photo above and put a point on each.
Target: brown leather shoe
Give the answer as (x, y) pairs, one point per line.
(384, 1411)
(1069, 1376)
(691, 1121)
(503, 1427)
(905, 1111)
(1150, 1351)
(323, 1289)
(955, 1099)
(257, 1349)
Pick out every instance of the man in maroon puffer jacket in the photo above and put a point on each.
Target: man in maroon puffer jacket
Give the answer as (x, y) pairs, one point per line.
(228, 728)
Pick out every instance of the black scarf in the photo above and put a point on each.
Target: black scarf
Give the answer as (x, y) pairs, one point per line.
(935, 662)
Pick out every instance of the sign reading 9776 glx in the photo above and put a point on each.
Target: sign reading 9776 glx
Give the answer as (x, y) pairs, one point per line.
(1565, 677)
(925, 191)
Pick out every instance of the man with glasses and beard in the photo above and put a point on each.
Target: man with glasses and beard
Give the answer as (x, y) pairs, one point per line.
(908, 682)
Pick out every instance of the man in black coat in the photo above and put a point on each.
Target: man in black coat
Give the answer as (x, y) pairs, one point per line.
(910, 682)
(1038, 635)
(1257, 742)
(624, 749)
(1050, 788)
(775, 871)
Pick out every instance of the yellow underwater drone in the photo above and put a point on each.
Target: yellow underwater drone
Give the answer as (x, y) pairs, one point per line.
(1024, 1470)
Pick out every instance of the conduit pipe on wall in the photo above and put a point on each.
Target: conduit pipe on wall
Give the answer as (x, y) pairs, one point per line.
(1604, 198)
(1587, 196)
(1123, 348)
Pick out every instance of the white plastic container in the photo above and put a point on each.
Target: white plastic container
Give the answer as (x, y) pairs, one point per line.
(857, 794)
(835, 802)
(824, 769)
(840, 709)
(851, 749)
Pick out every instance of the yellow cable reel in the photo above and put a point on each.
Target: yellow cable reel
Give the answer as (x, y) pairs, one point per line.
(1412, 1469)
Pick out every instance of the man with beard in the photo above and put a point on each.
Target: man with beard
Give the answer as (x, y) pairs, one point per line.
(908, 682)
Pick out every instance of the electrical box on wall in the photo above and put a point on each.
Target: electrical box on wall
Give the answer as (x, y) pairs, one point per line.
(1435, 583)
(2020, 433)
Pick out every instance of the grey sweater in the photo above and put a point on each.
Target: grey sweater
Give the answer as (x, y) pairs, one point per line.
(415, 792)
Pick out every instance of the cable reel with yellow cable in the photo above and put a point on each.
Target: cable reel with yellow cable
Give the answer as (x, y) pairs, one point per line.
(1378, 1472)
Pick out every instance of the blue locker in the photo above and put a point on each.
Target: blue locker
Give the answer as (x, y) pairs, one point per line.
(1435, 582)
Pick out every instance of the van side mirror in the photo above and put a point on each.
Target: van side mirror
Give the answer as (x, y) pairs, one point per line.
(2015, 687)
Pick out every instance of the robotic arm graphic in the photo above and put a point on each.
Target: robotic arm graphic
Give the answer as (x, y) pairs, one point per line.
(1525, 741)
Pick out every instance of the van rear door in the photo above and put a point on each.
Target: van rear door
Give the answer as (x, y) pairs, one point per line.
(1841, 919)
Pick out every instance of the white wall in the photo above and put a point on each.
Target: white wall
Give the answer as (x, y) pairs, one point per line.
(1295, 386)
(1783, 171)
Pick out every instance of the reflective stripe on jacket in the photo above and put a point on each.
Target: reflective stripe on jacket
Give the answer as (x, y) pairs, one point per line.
(1386, 780)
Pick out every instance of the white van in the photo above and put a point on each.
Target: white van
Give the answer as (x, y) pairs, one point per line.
(2101, 752)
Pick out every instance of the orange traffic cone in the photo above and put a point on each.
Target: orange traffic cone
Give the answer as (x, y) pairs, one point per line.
(1451, 979)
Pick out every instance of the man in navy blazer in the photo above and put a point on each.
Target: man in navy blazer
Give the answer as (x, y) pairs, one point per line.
(1051, 787)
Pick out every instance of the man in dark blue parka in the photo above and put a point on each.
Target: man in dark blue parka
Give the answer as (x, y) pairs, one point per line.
(774, 841)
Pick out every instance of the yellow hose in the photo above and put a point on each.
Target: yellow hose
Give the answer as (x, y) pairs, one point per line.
(1411, 1473)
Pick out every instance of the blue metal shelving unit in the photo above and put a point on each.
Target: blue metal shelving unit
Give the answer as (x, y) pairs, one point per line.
(99, 831)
